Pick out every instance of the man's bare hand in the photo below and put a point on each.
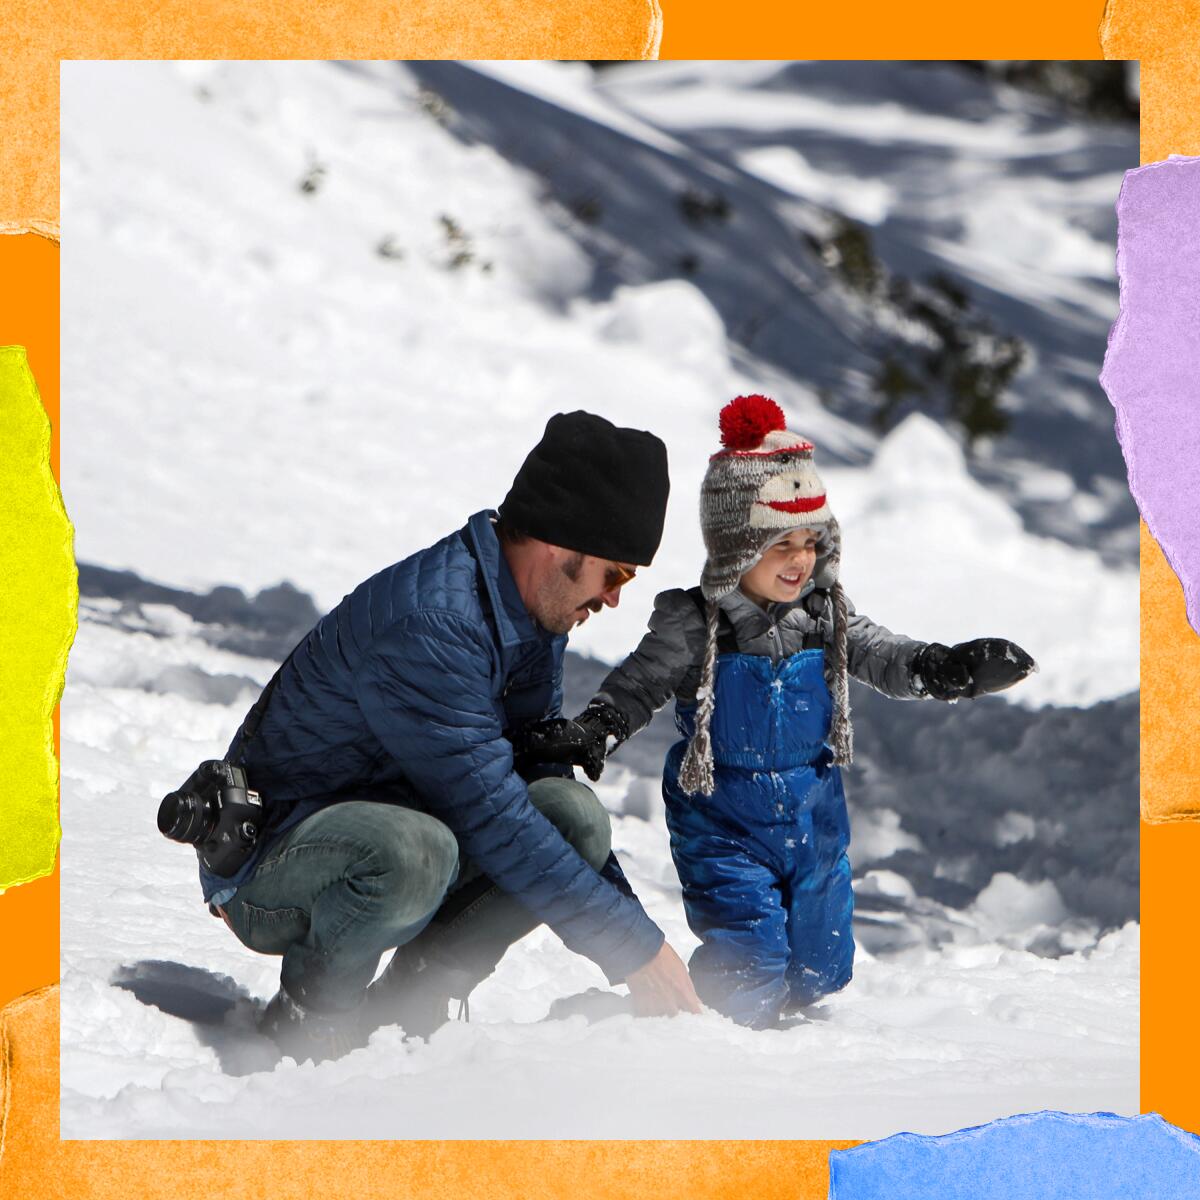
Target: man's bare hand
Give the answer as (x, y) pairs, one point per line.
(663, 987)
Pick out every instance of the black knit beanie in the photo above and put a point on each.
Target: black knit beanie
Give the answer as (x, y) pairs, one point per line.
(591, 486)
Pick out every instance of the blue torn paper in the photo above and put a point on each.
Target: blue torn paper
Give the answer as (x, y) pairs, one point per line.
(1036, 1156)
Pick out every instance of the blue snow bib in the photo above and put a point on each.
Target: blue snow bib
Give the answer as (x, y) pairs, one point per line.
(762, 861)
(768, 729)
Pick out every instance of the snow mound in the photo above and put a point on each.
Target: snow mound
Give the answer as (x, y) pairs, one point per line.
(673, 319)
(1009, 906)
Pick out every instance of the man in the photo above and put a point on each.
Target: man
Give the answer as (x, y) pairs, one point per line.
(395, 815)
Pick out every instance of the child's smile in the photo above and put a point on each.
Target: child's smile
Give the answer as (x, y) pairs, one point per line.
(785, 567)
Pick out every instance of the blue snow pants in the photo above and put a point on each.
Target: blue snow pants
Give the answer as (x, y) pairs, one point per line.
(766, 879)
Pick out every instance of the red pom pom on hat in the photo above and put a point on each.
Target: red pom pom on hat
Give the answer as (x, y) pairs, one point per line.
(747, 420)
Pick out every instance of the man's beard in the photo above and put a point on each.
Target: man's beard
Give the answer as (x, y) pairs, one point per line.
(560, 609)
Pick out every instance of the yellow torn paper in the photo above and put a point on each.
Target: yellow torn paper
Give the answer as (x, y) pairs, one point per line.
(38, 605)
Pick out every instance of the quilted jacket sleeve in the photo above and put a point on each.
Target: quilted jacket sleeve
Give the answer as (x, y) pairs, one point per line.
(663, 659)
(426, 692)
(554, 709)
(881, 659)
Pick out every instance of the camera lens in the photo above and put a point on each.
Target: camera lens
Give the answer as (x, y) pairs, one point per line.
(187, 817)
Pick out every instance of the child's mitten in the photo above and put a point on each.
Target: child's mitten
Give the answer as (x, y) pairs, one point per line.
(584, 742)
(971, 668)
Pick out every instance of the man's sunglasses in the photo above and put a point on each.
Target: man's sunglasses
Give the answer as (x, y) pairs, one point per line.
(617, 576)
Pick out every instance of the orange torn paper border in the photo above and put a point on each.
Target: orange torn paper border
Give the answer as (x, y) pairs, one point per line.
(28, 1049)
(1167, 116)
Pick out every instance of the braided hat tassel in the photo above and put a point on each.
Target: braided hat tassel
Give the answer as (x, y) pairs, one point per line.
(841, 733)
(696, 774)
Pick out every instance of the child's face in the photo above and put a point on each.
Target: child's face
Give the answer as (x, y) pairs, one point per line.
(784, 569)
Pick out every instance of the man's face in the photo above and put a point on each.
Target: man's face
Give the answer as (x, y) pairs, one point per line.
(577, 585)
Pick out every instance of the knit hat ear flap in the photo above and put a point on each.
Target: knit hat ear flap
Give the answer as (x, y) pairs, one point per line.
(696, 772)
(841, 733)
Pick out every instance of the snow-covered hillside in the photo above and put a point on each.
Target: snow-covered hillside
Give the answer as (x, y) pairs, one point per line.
(725, 173)
(314, 315)
(236, 342)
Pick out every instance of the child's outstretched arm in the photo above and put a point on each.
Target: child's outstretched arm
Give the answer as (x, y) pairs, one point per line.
(631, 693)
(881, 659)
(907, 669)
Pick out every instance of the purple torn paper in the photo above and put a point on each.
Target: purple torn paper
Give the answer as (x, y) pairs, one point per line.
(1152, 367)
(1037, 1156)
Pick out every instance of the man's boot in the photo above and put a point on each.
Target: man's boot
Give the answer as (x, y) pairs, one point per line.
(303, 1034)
(415, 991)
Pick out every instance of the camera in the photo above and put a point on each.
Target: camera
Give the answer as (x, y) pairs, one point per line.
(216, 811)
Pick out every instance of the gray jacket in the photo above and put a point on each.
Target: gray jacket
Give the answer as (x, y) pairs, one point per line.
(667, 661)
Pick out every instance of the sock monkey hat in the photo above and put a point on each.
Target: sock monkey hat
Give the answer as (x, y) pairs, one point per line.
(761, 485)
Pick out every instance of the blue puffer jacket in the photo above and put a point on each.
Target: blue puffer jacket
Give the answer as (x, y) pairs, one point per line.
(404, 693)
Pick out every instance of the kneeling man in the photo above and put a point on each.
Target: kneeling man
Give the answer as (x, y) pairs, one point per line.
(395, 816)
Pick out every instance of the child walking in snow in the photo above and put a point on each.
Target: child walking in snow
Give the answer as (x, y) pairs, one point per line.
(757, 658)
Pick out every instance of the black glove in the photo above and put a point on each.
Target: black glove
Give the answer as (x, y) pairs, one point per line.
(584, 742)
(971, 668)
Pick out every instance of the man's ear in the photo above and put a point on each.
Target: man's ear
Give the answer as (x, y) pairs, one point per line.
(550, 555)
(569, 562)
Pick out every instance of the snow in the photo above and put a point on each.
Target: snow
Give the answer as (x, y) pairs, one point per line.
(569, 86)
(931, 1037)
(672, 318)
(1009, 906)
(878, 835)
(863, 199)
(709, 105)
(262, 383)
(929, 1043)
(1015, 827)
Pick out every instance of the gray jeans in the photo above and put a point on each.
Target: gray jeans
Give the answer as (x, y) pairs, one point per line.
(359, 878)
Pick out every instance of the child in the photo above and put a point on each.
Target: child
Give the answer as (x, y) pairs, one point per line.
(757, 659)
